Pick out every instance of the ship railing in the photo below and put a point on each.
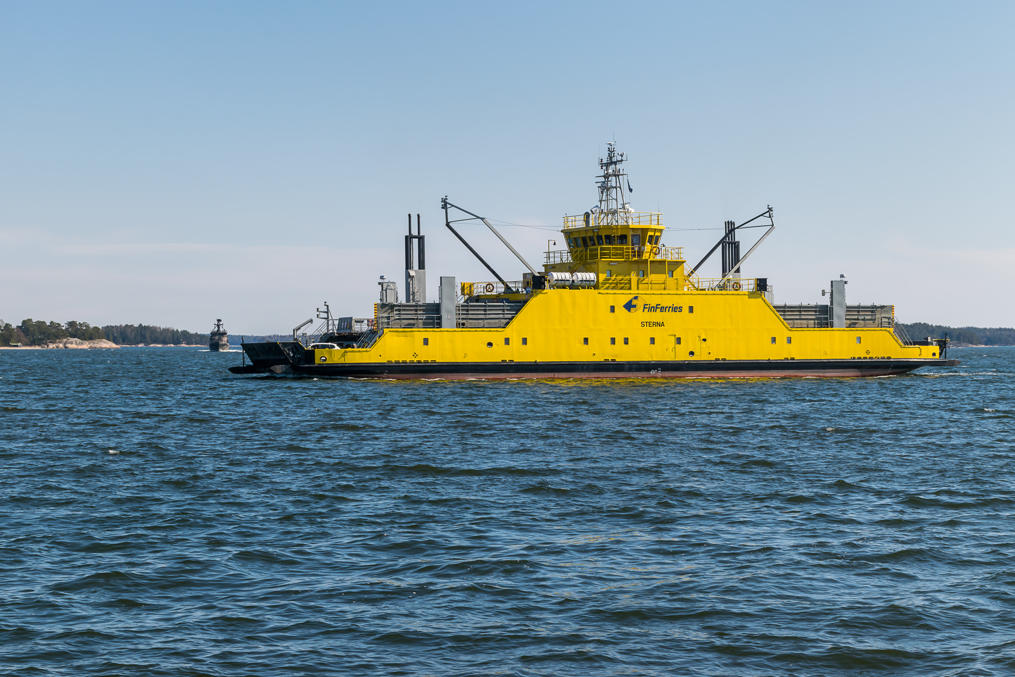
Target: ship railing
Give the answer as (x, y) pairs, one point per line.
(619, 218)
(617, 252)
(488, 288)
(902, 335)
(718, 284)
(558, 256)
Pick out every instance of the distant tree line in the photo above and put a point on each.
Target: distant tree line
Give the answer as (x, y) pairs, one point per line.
(34, 333)
(979, 336)
(134, 334)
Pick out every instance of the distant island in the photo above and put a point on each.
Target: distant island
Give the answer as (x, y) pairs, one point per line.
(74, 334)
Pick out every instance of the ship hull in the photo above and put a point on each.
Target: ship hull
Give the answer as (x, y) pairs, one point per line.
(602, 370)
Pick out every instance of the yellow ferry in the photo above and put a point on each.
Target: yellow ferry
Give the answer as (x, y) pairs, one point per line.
(616, 303)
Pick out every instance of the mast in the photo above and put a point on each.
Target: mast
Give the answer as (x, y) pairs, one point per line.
(613, 207)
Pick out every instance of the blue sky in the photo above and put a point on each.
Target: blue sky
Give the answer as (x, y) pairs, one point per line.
(170, 163)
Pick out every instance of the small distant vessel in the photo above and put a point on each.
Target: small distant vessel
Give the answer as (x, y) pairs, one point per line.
(616, 303)
(218, 340)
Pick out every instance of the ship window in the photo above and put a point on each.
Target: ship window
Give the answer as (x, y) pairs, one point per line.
(586, 340)
(641, 273)
(609, 239)
(625, 340)
(671, 273)
(651, 340)
(622, 239)
(489, 344)
(690, 309)
(773, 340)
(426, 341)
(635, 239)
(525, 341)
(678, 341)
(613, 309)
(609, 273)
(599, 240)
(789, 339)
(857, 339)
(507, 341)
(613, 340)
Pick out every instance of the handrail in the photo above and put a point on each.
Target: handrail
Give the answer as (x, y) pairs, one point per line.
(615, 253)
(722, 284)
(621, 218)
(488, 288)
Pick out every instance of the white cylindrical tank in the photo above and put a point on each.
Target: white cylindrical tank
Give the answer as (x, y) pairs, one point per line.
(559, 279)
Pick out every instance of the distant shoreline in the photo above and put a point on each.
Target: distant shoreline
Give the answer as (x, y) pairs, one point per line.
(104, 347)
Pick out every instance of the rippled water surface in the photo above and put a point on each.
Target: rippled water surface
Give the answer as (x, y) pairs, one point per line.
(162, 517)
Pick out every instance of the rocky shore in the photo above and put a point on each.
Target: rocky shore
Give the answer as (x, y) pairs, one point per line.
(65, 344)
(74, 344)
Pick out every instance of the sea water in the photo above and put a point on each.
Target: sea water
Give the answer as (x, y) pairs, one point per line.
(160, 516)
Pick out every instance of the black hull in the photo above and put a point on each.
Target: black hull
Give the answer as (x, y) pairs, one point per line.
(541, 370)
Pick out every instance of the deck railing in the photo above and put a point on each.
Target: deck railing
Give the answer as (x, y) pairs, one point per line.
(718, 284)
(615, 253)
(622, 218)
(488, 287)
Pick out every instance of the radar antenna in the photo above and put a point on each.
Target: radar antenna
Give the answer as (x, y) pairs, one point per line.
(613, 206)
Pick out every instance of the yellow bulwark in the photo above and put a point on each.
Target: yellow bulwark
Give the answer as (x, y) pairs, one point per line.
(579, 325)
